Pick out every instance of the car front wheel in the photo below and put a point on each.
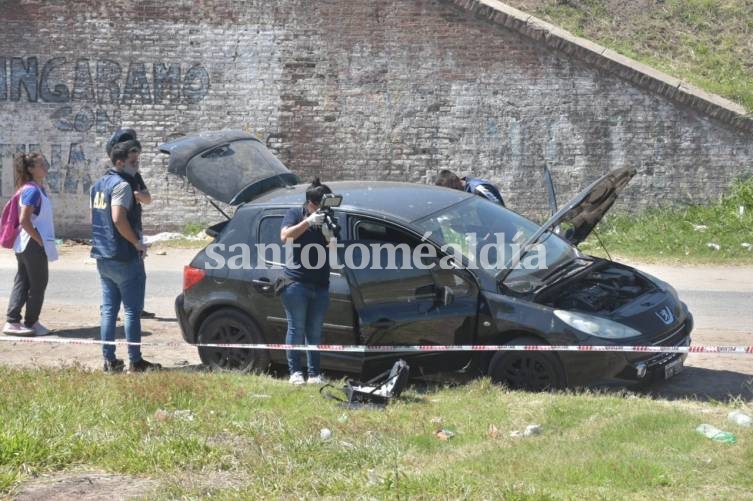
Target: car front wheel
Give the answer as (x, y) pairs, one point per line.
(228, 326)
(527, 370)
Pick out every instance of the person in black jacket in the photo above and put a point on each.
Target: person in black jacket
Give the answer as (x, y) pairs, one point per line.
(476, 185)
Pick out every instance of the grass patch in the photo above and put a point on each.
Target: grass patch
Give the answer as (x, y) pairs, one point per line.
(689, 234)
(193, 227)
(704, 42)
(251, 436)
(180, 243)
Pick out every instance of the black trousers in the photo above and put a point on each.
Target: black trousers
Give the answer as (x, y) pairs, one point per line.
(29, 284)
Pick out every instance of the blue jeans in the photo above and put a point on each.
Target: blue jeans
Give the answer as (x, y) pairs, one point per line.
(305, 306)
(121, 281)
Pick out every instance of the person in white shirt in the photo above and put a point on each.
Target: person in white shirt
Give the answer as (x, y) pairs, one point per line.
(34, 247)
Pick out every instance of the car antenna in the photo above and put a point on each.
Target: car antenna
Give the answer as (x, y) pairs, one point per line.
(218, 208)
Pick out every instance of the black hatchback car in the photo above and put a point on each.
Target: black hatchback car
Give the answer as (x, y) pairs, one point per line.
(532, 287)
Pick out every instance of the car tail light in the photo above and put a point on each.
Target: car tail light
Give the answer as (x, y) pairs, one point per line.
(192, 276)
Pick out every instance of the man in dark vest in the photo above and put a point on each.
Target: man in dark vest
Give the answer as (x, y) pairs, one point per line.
(476, 185)
(119, 251)
(141, 193)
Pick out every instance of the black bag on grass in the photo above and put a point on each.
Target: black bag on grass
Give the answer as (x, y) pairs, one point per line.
(377, 391)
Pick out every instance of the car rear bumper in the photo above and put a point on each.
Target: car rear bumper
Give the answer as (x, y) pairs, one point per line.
(182, 316)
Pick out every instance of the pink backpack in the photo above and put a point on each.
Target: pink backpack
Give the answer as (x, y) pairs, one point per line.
(9, 221)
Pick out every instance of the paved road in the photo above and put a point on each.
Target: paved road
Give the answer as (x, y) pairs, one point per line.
(728, 310)
(81, 287)
(74, 280)
(721, 299)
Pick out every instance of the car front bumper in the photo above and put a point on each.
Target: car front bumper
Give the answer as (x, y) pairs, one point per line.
(659, 367)
(585, 368)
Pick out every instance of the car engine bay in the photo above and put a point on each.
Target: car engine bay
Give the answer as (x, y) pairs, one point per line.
(603, 288)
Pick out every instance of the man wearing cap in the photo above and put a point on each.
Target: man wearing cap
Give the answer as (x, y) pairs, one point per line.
(476, 185)
(140, 191)
(119, 251)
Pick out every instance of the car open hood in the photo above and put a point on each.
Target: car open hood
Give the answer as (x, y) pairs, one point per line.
(231, 166)
(581, 214)
(578, 217)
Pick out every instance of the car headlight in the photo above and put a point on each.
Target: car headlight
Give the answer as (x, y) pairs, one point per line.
(596, 326)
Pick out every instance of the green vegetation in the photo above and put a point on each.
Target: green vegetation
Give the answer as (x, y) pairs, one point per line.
(190, 238)
(704, 42)
(250, 436)
(193, 228)
(689, 235)
(181, 243)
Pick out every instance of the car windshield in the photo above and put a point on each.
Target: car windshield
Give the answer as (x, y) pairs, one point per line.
(489, 236)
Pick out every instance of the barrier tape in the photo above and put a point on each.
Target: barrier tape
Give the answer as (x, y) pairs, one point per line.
(741, 350)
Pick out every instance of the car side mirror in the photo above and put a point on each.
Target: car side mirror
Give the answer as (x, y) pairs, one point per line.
(445, 296)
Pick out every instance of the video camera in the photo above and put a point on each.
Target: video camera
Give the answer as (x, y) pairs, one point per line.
(329, 201)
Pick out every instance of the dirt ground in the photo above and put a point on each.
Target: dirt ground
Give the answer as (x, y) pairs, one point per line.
(721, 377)
(73, 313)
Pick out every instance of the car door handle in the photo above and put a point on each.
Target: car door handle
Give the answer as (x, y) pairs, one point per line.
(383, 323)
(262, 285)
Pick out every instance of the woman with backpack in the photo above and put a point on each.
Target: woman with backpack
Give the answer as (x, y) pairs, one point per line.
(34, 247)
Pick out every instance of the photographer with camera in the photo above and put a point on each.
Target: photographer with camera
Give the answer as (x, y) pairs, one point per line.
(306, 296)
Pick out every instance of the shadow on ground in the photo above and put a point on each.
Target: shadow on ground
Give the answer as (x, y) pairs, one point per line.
(704, 385)
(693, 383)
(91, 332)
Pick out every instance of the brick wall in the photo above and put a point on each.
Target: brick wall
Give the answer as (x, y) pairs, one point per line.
(342, 89)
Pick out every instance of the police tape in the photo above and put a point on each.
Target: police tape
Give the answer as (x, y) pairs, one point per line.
(740, 350)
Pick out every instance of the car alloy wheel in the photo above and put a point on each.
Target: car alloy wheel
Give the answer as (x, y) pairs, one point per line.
(527, 370)
(230, 326)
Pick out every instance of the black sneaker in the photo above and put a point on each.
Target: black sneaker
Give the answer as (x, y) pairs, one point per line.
(114, 365)
(147, 314)
(143, 366)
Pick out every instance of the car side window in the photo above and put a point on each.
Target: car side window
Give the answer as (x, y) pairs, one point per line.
(374, 230)
(405, 284)
(385, 285)
(457, 280)
(269, 238)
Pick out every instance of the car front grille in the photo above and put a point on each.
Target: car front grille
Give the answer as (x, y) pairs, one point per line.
(677, 337)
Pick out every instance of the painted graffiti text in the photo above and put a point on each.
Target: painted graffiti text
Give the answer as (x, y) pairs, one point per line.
(59, 80)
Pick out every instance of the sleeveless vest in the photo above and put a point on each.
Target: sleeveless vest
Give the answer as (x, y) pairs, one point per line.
(107, 243)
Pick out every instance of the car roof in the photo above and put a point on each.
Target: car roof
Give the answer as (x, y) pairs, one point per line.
(407, 202)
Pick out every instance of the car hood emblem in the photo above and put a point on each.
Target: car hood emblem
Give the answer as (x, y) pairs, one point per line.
(665, 315)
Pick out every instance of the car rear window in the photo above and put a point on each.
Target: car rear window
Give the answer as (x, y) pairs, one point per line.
(269, 235)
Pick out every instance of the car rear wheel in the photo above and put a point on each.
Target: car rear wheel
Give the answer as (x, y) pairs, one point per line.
(527, 370)
(230, 326)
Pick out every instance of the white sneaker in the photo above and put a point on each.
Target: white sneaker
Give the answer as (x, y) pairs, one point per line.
(17, 329)
(316, 380)
(40, 330)
(296, 378)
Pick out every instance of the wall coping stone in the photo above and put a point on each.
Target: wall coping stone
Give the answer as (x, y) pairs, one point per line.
(596, 55)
